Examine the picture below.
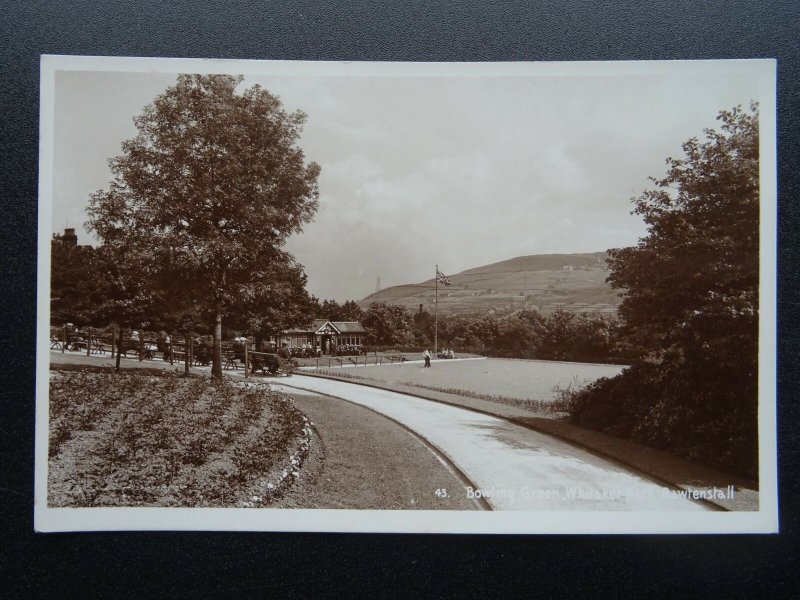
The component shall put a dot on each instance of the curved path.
(360, 459)
(510, 466)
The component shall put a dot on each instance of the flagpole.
(436, 313)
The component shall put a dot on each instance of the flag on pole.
(442, 278)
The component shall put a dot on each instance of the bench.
(144, 353)
(179, 357)
(271, 363)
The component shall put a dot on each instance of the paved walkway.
(660, 466)
(512, 467)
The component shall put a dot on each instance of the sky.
(459, 171)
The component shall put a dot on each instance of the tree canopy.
(690, 306)
(333, 311)
(694, 277)
(276, 301)
(209, 190)
(75, 283)
(388, 325)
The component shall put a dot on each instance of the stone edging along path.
(665, 468)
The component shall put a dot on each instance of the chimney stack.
(70, 237)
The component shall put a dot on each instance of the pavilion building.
(325, 335)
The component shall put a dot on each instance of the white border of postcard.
(765, 520)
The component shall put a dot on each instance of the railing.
(146, 347)
(359, 360)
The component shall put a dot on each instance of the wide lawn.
(524, 379)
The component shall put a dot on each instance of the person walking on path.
(427, 356)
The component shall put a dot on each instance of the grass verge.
(558, 404)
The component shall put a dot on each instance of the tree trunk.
(187, 351)
(119, 347)
(216, 367)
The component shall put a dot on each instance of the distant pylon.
(378, 284)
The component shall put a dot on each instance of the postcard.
(406, 297)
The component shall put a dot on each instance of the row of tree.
(83, 294)
(523, 334)
(86, 290)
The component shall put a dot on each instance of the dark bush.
(698, 412)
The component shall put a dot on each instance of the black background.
(204, 564)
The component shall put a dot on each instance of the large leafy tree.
(690, 306)
(388, 325)
(128, 296)
(102, 285)
(692, 282)
(276, 301)
(208, 191)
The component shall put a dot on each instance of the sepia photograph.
(406, 297)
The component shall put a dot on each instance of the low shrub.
(698, 412)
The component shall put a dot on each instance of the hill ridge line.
(544, 282)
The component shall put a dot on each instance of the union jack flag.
(442, 278)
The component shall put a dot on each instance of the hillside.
(574, 282)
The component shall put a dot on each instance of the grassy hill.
(574, 282)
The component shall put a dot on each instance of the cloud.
(416, 171)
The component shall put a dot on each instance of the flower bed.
(126, 439)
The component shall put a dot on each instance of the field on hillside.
(524, 379)
(575, 282)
